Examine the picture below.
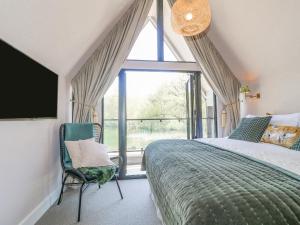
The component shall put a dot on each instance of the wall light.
(246, 90)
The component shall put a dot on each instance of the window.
(159, 94)
(140, 51)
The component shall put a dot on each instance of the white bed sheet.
(274, 154)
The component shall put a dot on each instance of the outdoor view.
(156, 102)
(156, 109)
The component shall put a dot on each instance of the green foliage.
(167, 102)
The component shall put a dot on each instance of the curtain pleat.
(101, 69)
(221, 79)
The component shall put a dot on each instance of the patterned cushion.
(296, 145)
(251, 129)
(100, 175)
(284, 136)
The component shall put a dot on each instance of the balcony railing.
(142, 131)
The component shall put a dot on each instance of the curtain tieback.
(231, 104)
(84, 105)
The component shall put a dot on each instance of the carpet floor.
(104, 206)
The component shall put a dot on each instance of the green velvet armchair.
(84, 176)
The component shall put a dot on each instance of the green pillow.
(251, 129)
(296, 146)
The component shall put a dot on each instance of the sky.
(143, 84)
(140, 83)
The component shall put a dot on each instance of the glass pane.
(143, 132)
(173, 42)
(169, 55)
(156, 109)
(145, 47)
(208, 109)
(111, 107)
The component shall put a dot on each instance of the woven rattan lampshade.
(190, 17)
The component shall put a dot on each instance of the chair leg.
(79, 206)
(116, 178)
(62, 188)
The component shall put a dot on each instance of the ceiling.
(256, 38)
(57, 33)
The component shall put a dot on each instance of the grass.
(139, 138)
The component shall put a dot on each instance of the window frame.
(153, 66)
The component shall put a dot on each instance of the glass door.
(144, 106)
(156, 109)
(201, 108)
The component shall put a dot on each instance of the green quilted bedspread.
(198, 184)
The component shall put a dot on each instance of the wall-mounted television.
(27, 89)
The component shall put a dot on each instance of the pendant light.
(190, 17)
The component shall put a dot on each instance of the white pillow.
(93, 154)
(286, 120)
(74, 152)
(251, 116)
(292, 119)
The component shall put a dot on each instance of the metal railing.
(156, 127)
(158, 119)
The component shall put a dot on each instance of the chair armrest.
(117, 160)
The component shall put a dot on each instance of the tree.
(168, 102)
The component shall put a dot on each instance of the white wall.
(29, 164)
(260, 41)
(57, 33)
(280, 94)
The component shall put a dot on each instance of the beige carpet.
(104, 206)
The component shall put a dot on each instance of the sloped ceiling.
(57, 33)
(258, 37)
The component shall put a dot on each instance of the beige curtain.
(101, 69)
(223, 82)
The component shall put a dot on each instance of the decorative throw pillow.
(296, 145)
(87, 153)
(93, 154)
(251, 129)
(285, 136)
(74, 152)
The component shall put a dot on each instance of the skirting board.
(40, 210)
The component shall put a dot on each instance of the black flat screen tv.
(27, 89)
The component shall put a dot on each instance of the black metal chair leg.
(79, 206)
(116, 178)
(62, 189)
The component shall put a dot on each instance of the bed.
(224, 182)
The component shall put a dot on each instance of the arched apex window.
(157, 41)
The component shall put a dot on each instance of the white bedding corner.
(274, 154)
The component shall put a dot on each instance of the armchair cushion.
(75, 132)
(73, 148)
(100, 175)
(93, 154)
(88, 153)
